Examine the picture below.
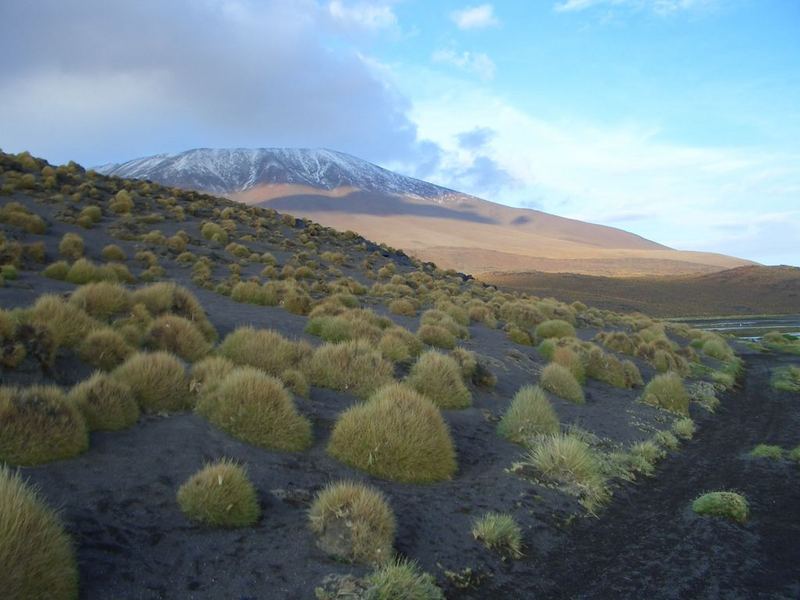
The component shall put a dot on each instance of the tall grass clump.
(101, 300)
(667, 391)
(559, 380)
(104, 349)
(398, 344)
(397, 434)
(729, 505)
(208, 373)
(684, 428)
(554, 328)
(106, 404)
(499, 532)
(36, 554)
(786, 379)
(530, 414)
(157, 380)
(402, 580)
(264, 349)
(767, 451)
(67, 323)
(177, 335)
(71, 246)
(353, 522)
(255, 407)
(438, 377)
(355, 366)
(39, 425)
(220, 495)
(165, 297)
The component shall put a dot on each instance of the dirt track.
(650, 545)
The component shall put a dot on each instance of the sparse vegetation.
(767, 451)
(667, 391)
(499, 532)
(438, 378)
(560, 380)
(402, 579)
(220, 495)
(729, 505)
(398, 434)
(36, 553)
(353, 522)
(530, 414)
(786, 379)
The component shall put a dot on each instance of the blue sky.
(676, 119)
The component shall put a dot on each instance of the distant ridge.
(453, 229)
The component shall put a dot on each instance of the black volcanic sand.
(118, 499)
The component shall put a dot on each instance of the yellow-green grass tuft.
(402, 580)
(684, 428)
(102, 299)
(767, 451)
(36, 554)
(106, 404)
(402, 306)
(398, 434)
(220, 495)
(255, 407)
(113, 253)
(667, 391)
(499, 532)
(296, 382)
(567, 357)
(157, 380)
(177, 335)
(398, 344)
(530, 414)
(438, 377)
(104, 349)
(354, 366)
(554, 328)
(353, 522)
(569, 462)
(166, 297)
(39, 425)
(71, 246)
(436, 335)
(67, 323)
(264, 349)
(666, 439)
(559, 380)
(786, 379)
(729, 505)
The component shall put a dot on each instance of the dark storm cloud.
(97, 80)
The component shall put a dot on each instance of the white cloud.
(477, 63)
(663, 7)
(365, 15)
(475, 17)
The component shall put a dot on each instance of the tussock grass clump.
(438, 377)
(786, 379)
(220, 495)
(39, 425)
(559, 380)
(296, 382)
(255, 407)
(17, 215)
(36, 553)
(530, 414)
(264, 349)
(666, 439)
(157, 380)
(402, 306)
(85, 271)
(177, 335)
(435, 335)
(398, 434)
(71, 246)
(398, 344)
(554, 328)
(569, 462)
(67, 323)
(113, 253)
(57, 270)
(165, 297)
(402, 579)
(667, 391)
(499, 532)
(767, 451)
(208, 373)
(106, 404)
(443, 319)
(101, 300)
(684, 428)
(569, 358)
(354, 366)
(729, 505)
(353, 522)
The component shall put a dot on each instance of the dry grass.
(255, 407)
(208, 373)
(353, 522)
(499, 532)
(113, 253)
(554, 328)
(398, 344)
(105, 403)
(71, 246)
(398, 434)
(161, 298)
(530, 414)
(157, 380)
(104, 349)
(265, 349)
(667, 391)
(220, 495)
(101, 300)
(177, 335)
(402, 306)
(355, 367)
(438, 377)
(436, 335)
(67, 323)
(36, 554)
(39, 425)
(559, 380)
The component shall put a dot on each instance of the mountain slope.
(453, 229)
